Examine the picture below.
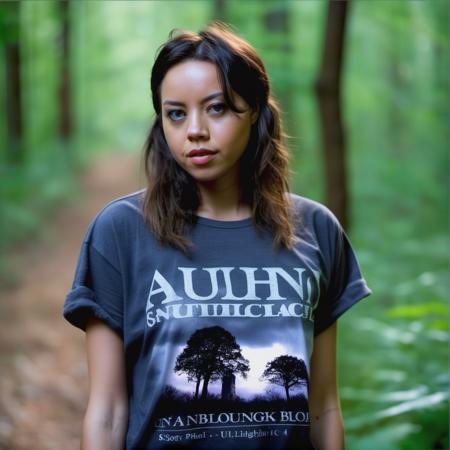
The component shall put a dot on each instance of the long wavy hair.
(172, 197)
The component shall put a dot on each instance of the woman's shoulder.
(122, 207)
(314, 221)
(117, 215)
(309, 210)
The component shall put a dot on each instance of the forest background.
(394, 93)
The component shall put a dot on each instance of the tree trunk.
(286, 387)
(66, 121)
(205, 386)
(276, 21)
(197, 387)
(219, 10)
(14, 114)
(328, 92)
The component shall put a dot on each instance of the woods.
(363, 88)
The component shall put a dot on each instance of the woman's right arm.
(106, 419)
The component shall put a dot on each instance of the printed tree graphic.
(286, 371)
(210, 353)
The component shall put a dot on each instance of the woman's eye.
(217, 107)
(174, 114)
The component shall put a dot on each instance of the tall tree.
(190, 362)
(280, 55)
(66, 119)
(328, 90)
(211, 353)
(10, 16)
(219, 12)
(286, 371)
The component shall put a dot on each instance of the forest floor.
(43, 368)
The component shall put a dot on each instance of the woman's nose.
(197, 127)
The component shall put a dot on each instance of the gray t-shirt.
(217, 342)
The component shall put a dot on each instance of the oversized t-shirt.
(218, 341)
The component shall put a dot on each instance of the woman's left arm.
(327, 429)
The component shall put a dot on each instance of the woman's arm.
(106, 419)
(327, 430)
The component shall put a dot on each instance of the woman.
(210, 298)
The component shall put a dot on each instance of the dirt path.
(43, 370)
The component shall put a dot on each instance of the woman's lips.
(202, 159)
(201, 156)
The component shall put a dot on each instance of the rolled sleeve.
(96, 290)
(346, 285)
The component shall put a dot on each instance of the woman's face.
(205, 137)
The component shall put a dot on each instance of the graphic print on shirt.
(221, 389)
(233, 292)
(226, 382)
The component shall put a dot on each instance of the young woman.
(210, 298)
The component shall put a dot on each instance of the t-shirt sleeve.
(97, 287)
(346, 284)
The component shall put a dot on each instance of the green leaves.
(432, 308)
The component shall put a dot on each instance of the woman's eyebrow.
(203, 100)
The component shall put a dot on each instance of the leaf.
(427, 401)
(376, 396)
(385, 438)
(418, 310)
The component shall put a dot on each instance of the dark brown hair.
(172, 198)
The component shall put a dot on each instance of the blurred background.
(363, 86)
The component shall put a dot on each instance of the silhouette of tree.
(286, 371)
(209, 354)
(190, 362)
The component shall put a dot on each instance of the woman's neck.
(222, 202)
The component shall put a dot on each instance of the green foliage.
(9, 29)
(397, 120)
(29, 194)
